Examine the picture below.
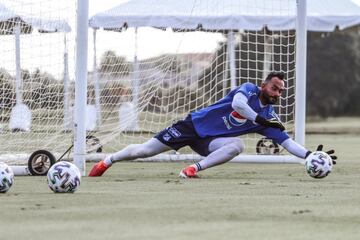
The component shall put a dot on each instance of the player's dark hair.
(279, 75)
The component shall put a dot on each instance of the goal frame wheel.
(263, 144)
(92, 141)
(40, 162)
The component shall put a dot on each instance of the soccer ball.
(63, 177)
(6, 177)
(318, 164)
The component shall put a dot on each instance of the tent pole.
(231, 55)
(96, 84)
(135, 80)
(300, 89)
(18, 85)
(268, 56)
(66, 85)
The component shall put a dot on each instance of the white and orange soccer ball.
(318, 164)
(6, 177)
(63, 177)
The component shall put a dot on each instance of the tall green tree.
(114, 65)
(333, 65)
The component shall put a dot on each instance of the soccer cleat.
(98, 169)
(188, 172)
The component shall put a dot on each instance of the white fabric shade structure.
(322, 15)
(43, 25)
(16, 24)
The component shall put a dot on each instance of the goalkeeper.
(212, 131)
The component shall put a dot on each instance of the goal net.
(141, 79)
(35, 87)
(151, 77)
(141, 95)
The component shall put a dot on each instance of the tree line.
(333, 75)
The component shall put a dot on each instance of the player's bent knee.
(236, 147)
(230, 150)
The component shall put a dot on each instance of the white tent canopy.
(322, 15)
(43, 25)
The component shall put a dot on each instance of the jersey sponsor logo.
(174, 132)
(236, 119)
(227, 124)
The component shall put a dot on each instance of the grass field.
(137, 200)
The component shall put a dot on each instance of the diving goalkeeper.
(212, 131)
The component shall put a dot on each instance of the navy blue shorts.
(181, 134)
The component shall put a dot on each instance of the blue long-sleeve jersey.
(221, 120)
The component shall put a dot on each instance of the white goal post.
(197, 79)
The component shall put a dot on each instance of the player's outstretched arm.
(274, 123)
(296, 149)
(330, 152)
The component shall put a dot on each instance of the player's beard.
(269, 99)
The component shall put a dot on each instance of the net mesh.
(139, 82)
(167, 87)
(34, 37)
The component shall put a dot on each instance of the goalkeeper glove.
(330, 152)
(274, 123)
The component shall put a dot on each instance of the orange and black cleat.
(188, 172)
(98, 169)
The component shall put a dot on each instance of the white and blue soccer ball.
(63, 177)
(318, 164)
(6, 177)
